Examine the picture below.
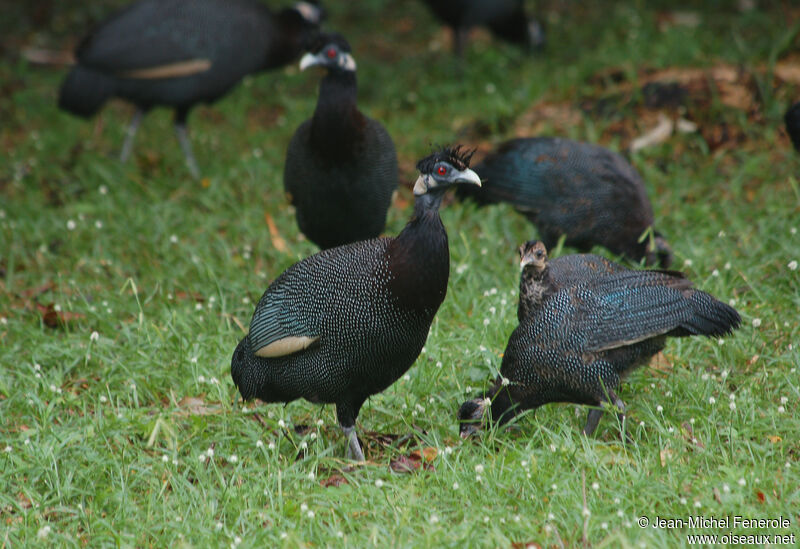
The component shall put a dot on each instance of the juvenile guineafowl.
(347, 322)
(792, 119)
(178, 53)
(539, 277)
(588, 193)
(580, 336)
(341, 167)
(506, 19)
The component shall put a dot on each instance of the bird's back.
(177, 52)
(602, 328)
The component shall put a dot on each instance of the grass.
(108, 437)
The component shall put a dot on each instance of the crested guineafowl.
(347, 322)
(341, 167)
(590, 194)
(585, 328)
(506, 19)
(178, 53)
(792, 119)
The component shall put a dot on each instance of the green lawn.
(121, 424)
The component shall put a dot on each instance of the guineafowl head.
(471, 416)
(329, 50)
(444, 168)
(533, 255)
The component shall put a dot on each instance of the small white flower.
(173, 238)
(311, 475)
(98, 224)
(732, 405)
(210, 452)
(490, 88)
(742, 482)
(715, 272)
(27, 441)
(303, 507)
(641, 424)
(478, 478)
(784, 400)
(712, 400)
(237, 540)
(492, 310)
(281, 424)
(303, 445)
(721, 234)
(517, 518)
(218, 526)
(486, 321)
(271, 445)
(683, 501)
(71, 225)
(339, 534)
(548, 529)
(604, 525)
(233, 459)
(201, 458)
(448, 450)
(310, 514)
(687, 262)
(704, 377)
(659, 408)
(201, 378)
(320, 423)
(586, 512)
(245, 300)
(313, 436)
(455, 486)
(788, 465)
(720, 341)
(551, 516)
(433, 519)
(505, 381)
(732, 396)
(103, 189)
(165, 458)
(732, 302)
(620, 514)
(8, 449)
(726, 488)
(793, 230)
(698, 504)
(781, 409)
(43, 532)
(439, 364)
(756, 322)
(378, 483)
(792, 265)
(479, 468)
(407, 377)
(94, 337)
(595, 486)
(284, 535)
(259, 444)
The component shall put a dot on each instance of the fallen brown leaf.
(195, 406)
(761, 497)
(333, 480)
(56, 319)
(277, 239)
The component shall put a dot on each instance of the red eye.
(331, 53)
(441, 170)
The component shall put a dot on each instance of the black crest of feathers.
(458, 156)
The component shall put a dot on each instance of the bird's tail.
(84, 91)
(711, 317)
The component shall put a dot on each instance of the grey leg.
(130, 133)
(592, 420)
(183, 139)
(354, 448)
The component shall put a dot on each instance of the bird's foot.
(353, 446)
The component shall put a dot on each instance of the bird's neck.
(420, 257)
(337, 126)
(534, 287)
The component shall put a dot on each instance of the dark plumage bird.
(346, 322)
(341, 167)
(506, 19)
(178, 53)
(792, 119)
(588, 193)
(585, 326)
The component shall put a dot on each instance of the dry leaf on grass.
(56, 319)
(195, 406)
(333, 480)
(275, 236)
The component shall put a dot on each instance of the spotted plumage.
(178, 53)
(595, 324)
(587, 193)
(341, 166)
(351, 320)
